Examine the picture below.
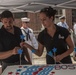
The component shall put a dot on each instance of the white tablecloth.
(62, 69)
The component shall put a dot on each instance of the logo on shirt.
(61, 37)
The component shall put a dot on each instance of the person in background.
(62, 22)
(74, 36)
(74, 29)
(29, 35)
(53, 37)
(1, 24)
(10, 42)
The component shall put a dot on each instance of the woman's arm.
(38, 51)
(68, 52)
(27, 55)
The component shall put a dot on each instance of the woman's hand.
(58, 58)
(22, 44)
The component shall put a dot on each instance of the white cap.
(25, 19)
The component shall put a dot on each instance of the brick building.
(35, 22)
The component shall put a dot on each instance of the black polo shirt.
(8, 42)
(57, 41)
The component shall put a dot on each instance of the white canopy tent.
(34, 6)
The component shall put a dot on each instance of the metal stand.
(20, 59)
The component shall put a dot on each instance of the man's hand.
(15, 50)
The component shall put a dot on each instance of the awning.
(34, 6)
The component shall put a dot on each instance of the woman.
(53, 37)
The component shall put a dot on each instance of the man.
(29, 36)
(62, 22)
(10, 41)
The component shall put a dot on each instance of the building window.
(20, 15)
(74, 15)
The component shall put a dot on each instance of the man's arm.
(4, 55)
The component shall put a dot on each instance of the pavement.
(39, 60)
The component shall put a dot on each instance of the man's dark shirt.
(57, 41)
(9, 41)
